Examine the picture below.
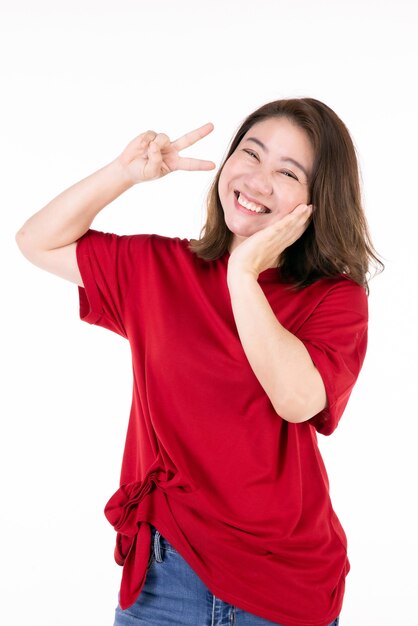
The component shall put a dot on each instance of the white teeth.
(251, 205)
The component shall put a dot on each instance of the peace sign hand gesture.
(152, 155)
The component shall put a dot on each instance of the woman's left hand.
(263, 249)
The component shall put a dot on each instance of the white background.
(79, 80)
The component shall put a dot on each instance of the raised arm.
(48, 238)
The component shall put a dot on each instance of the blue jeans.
(173, 595)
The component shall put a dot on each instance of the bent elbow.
(294, 417)
(299, 410)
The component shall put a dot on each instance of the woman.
(244, 344)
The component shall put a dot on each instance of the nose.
(259, 183)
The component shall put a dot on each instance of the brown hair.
(337, 240)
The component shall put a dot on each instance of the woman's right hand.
(152, 155)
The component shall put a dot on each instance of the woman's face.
(266, 177)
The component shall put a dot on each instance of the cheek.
(292, 194)
(230, 170)
(223, 182)
(288, 198)
(221, 188)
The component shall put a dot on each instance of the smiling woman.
(306, 134)
(245, 343)
(255, 182)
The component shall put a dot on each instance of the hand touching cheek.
(262, 250)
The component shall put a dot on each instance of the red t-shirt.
(240, 493)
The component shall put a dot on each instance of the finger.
(154, 154)
(301, 214)
(190, 138)
(148, 136)
(297, 214)
(195, 164)
(152, 167)
(302, 208)
(161, 139)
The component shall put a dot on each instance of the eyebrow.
(287, 159)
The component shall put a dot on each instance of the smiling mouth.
(250, 206)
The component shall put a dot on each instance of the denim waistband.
(159, 543)
(153, 529)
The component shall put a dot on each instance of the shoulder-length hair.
(337, 240)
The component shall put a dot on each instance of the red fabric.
(242, 494)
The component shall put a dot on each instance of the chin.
(243, 231)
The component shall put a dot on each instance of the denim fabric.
(173, 595)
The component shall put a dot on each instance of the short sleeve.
(107, 266)
(335, 335)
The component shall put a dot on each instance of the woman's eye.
(254, 155)
(290, 175)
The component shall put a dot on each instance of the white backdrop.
(79, 80)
